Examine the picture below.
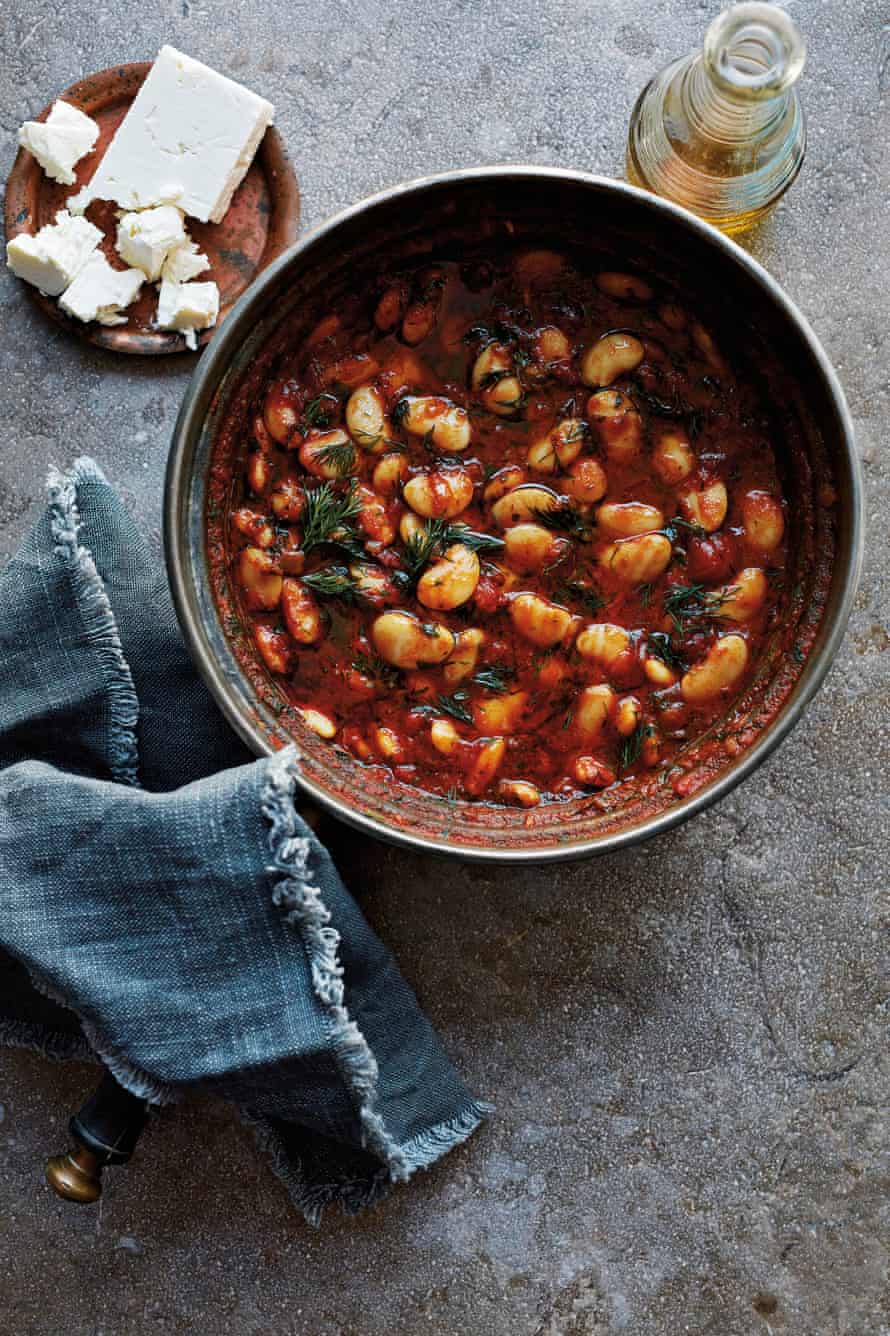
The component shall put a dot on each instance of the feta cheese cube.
(53, 258)
(188, 307)
(189, 137)
(184, 262)
(59, 142)
(146, 239)
(100, 292)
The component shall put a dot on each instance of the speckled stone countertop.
(687, 1041)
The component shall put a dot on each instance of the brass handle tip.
(76, 1176)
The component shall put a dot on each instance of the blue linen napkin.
(163, 896)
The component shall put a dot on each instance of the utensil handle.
(105, 1131)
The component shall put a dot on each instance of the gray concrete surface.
(687, 1042)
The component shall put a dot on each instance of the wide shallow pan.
(748, 312)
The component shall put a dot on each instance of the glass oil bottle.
(721, 131)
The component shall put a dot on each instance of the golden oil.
(722, 131)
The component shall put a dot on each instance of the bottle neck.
(719, 114)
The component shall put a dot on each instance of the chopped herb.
(335, 582)
(370, 440)
(454, 705)
(686, 604)
(476, 333)
(495, 678)
(578, 433)
(631, 746)
(318, 411)
(564, 520)
(797, 654)
(325, 513)
(340, 455)
(645, 594)
(695, 423)
(399, 413)
(429, 628)
(521, 358)
(438, 535)
(588, 596)
(493, 378)
(429, 440)
(660, 645)
(373, 666)
(671, 529)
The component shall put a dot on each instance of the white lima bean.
(622, 286)
(388, 473)
(551, 345)
(592, 712)
(528, 547)
(301, 615)
(494, 381)
(637, 560)
(763, 520)
(450, 581)
(439, 494)
(446, 425)
(260, 576)
(366, 418)
(444, 737)
(538, 620)
(404, 641)
(275, 648)
(328, 454)
(463, 658)
(319, 722)
(744, 595)
(604, 644)
(486, 765)
(500, 714)
(560, 447)
(720, 669)
(617, 423)
(519, 791)
(672, 458)
(587, 482)
(523, 505)
(628, 714)
(504, 481)
(611, 356)
(624, 519)
(705, 507)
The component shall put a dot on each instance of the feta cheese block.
(188, 138)
(53, 258)
(59, 142)
(146, 239)
(188, 307)
(100, 292)
(184, 262)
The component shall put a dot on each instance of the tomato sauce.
(513, 530)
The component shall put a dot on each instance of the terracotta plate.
(261, 222)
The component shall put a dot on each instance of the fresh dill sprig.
(438, 535)
(340, 455)
(645, 592)
(334, 582)
(671, 529)
(325, 513)
(563, 520)
(588, 596)
(686, 604)
(632, 745)
(318, 411)
(375, 667)
(495, 678)
(455, 706)
(660, 645)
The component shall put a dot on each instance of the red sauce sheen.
(513, 531)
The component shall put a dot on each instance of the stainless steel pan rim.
(182, 577)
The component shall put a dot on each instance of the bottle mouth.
(754, 51)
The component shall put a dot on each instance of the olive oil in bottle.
(721, 131)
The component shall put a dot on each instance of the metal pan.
(748, 311)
